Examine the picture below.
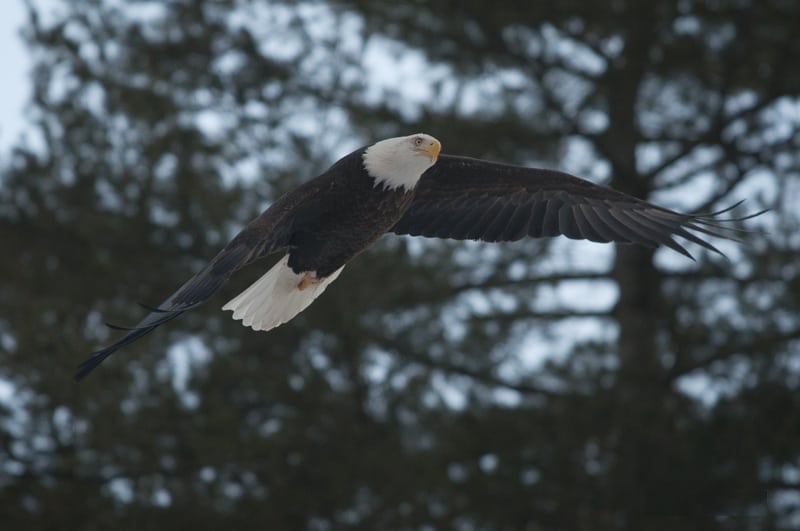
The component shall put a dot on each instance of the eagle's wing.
(267, 233)
(471, 199)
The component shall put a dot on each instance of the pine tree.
(437, 385)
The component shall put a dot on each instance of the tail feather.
(275, 298)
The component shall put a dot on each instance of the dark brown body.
(329, 220)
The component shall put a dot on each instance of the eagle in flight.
(403, 185)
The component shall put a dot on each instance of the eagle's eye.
(418, 141)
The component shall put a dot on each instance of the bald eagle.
(402, 185)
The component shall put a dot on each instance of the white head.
(401, 161)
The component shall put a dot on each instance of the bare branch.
(712, 136)
(485, 377)
(761, 343)
(544, 316)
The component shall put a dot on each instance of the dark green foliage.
(412, 395)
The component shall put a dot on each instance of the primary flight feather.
(403, 185)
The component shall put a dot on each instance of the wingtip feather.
(151, 308)
(112, 326)
(90, 364)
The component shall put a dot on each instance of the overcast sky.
(15, 65)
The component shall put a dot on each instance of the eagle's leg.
(308, 279)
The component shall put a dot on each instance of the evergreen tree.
(436, 385)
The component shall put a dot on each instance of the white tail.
(275, 298)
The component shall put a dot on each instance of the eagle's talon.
(306, 281)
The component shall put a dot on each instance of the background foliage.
(437, 385)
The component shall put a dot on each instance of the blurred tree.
(541, 385)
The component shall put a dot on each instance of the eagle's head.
(401, 161)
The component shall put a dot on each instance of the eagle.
(404, 186)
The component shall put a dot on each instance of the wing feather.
(499, 225)
(536, 220)
(550, 219)
(465, 198)
(567, 224)
(585, 227)
(598, 225)
(644, 235)
(262, 236)
(478, 229)
(518, 223)
(657, 232)
(626, 233)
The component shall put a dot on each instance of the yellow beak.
(432, 149)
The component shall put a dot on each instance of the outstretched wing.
(471, 199)
(265, 234)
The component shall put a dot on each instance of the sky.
(13, 95)
(15, 62)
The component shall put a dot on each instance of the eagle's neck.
(393, 166)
